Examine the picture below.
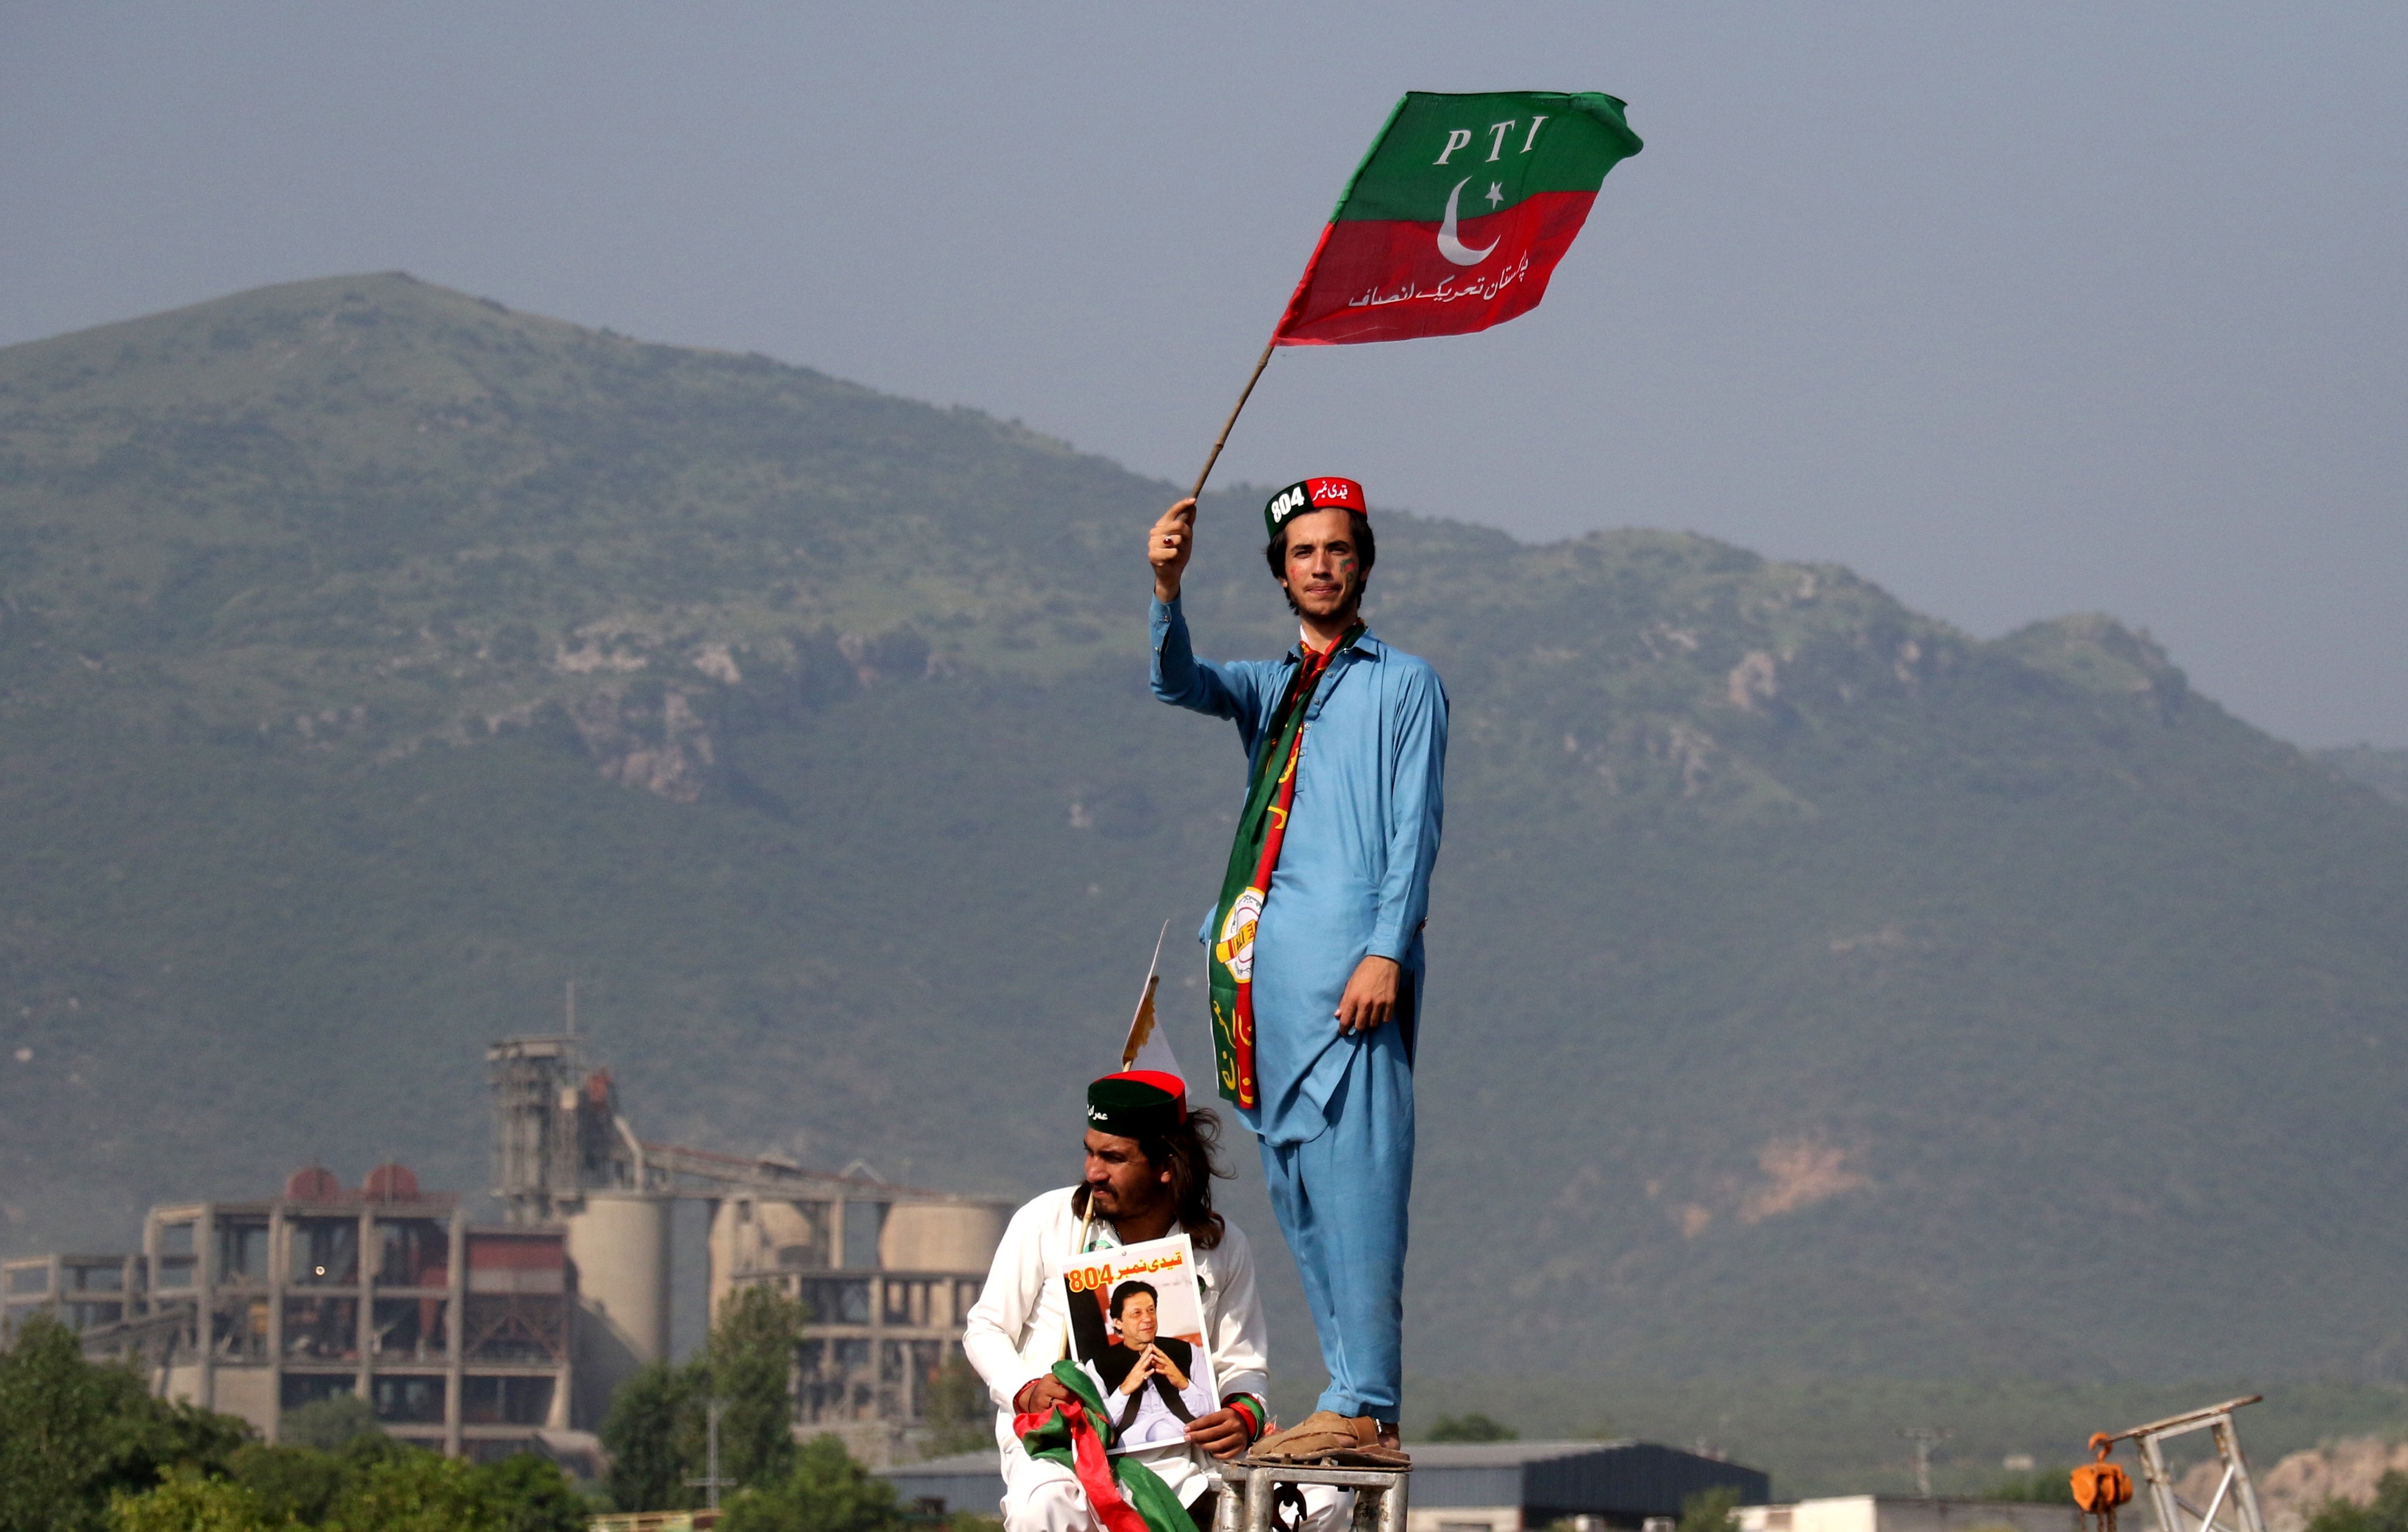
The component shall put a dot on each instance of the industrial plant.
(459, 1335)
(886, 1273)
(485, 1338)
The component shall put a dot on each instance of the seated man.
(1150, 1168)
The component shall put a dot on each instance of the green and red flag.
(1455, 219)
(1123, 1493)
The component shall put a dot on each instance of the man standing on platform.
(1315, 946)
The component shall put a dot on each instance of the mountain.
(1817, 992)
(2384, 770)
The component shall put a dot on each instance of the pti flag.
(1458, 217)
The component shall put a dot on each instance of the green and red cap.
(1313, 495)
(1136, 1104)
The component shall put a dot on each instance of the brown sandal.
(1326, 1437)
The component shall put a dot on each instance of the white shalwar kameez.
(1020, 1327)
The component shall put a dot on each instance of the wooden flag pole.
(1243, 394)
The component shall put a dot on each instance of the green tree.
(73, 1432)
(2388, 1512)
(961, 1415)
(186, 1501)
(642, 1432)
(374, 1476)
(298, 1483)
(416, 1492)
(748, 1366)
(1710, 1509)
(303, 1482)
(658, 1428)
(1471, 1428)
(826, 1491)
(532, 1494)
(329, 1424)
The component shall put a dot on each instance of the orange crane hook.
(2099, 1487)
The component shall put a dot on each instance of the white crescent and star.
(1448, 245)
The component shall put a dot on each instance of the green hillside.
(1817, 992)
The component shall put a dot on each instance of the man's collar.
(1364, 644)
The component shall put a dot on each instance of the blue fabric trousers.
(1341, 1200)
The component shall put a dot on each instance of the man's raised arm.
(1179, 676)
(1168, 547)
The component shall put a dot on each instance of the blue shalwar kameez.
(1335, 1119)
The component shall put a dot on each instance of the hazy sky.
(2018, 310)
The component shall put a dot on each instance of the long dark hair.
(1190, 1152)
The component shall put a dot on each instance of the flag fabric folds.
(1457, 218)
(1125, 1495)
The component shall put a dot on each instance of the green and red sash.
(1253, 856)
(1124, 1494)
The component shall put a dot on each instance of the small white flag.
(1146, 1047)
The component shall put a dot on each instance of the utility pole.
(1924, 1437)
(711, 1482)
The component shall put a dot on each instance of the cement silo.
(884, 1273)
(619, 1242)
(941, 1236)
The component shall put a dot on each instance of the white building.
(1909, 1513)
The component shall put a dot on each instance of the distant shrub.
(330, 1423)
(186, 1502)
(2387, 1513)
(418, 1492)
(827, 1492)
(960, 1416)
(2043, 1487)
(1711, 1511)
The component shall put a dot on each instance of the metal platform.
(1381, 1496)
(2236, 1495)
